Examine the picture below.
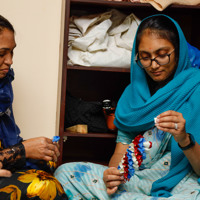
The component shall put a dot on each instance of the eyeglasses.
(145, 62)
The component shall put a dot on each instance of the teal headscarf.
(137, 109)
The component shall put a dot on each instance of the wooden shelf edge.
(105, 69)
(135, 4)
(104, 2)
(90, 135)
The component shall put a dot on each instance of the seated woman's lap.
(83, 180)
(31, 184)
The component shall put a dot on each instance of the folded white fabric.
(104, 40)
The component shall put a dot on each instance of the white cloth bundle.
(102, 40)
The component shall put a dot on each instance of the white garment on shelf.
(102, 40)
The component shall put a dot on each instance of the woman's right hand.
(4, 172)
(112, 179)
(41, 148)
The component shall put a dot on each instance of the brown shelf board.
(185, 6)
(90, 135)
(102, 2)
(106, 69)
(69, 160)
(128, 4)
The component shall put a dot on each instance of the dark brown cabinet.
(99, 83)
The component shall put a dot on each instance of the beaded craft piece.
(134, 157)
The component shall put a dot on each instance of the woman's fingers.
(54, 148)
(168, 113)
(170, 126)
(4, 172)
(172, 122)
(51, 156)
(111, 173)
(112, 190)
(111, 184)
(41, 148)
(112, 179)
(52, 153)
(115, 179)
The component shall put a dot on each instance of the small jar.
(109, 113)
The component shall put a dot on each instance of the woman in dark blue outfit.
(26, 167)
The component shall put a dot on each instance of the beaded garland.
(134, 157)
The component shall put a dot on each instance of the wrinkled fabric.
(9, 131)
(137, 109)
(102, 40)
(31, 184)
(194, 55)
(106, 40)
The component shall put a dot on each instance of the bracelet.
(192, 143)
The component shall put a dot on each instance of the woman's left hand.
(174, 123)
(167, 121)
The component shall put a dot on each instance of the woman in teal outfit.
(162, 103)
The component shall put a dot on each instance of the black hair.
(4, 23)
(161, 26)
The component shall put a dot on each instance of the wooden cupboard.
(99, 83)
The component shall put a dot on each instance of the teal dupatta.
(137, 109)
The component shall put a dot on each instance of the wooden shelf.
(113, 3)
(128, 4)
(95, 148)
(99, 83)
(90, 135)
(105, 69)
